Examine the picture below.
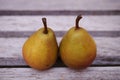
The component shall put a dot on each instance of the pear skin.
(40, 49)
(77, 48)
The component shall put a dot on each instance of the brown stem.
(77, 21)
(45, 25)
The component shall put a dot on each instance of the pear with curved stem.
(40, 49)
(77, 48)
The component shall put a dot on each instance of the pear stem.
(45, 25)
(77, 21)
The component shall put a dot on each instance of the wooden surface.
(13, 55)
(96, 73)
(59, 5)
(59, 23)
(20, 18)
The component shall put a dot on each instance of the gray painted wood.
(107, 51)
(59, 23)
(91, 73)
(60, 5)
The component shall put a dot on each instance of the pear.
(77, 48)
(40, 49)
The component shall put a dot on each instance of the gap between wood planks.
(55, 66)
(59, 12)
(10, 34)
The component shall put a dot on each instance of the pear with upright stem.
(77, 48)
(40, 49)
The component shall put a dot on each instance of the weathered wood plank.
(99, 61)
(91, 73)
(107, 51)
(59, 5)
(19, 62)
(59, 23)
(106, 46)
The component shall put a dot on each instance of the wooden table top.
(20, 18)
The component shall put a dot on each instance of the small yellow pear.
(77, 48)
(40, 49)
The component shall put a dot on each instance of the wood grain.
(59, 5)
(59, 23)
(107, 51)
(96, 73)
